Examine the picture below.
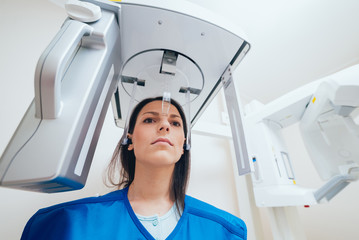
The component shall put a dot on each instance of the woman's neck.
(150, 192)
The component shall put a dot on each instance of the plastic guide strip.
(166, 103)
(166, 99)
(188, 119)
(125, 131)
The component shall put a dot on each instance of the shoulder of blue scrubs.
(62, 220)
(231, 223)
(116, 195)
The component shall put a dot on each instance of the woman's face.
(157, 138)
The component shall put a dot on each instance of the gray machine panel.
(205, 50)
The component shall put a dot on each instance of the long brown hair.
(123, 161)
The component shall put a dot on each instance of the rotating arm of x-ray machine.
(106, 52)
(325, 110)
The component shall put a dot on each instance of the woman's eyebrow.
(153, 113)
(175, 116)
(157, 114)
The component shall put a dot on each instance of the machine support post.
(235, 118)
(285, 223)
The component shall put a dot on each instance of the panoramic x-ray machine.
(120, 53)
(327, 111)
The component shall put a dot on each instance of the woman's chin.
(161, 158)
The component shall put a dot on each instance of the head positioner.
(167, 72)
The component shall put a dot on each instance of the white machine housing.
(327, 111)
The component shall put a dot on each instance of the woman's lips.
(164, 140)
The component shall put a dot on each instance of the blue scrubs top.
(111, 217)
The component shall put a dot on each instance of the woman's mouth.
(163, 140)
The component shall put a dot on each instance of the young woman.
(152, 203)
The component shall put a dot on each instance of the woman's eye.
(148, 120)
(176, 124)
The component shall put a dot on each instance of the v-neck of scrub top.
(142, 229)
(160, 227)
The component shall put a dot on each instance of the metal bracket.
(227, 77)
(191, 90)
(243, 162)
(128, 79)
(168, 64)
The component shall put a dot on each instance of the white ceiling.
(292, 42)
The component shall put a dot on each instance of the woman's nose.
(164, 126)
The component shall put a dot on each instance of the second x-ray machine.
(327, 111)
(120, 52)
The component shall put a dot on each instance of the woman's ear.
(130, 147)
(130, 144)
(184, 145)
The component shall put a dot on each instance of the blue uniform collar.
(139, 225)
